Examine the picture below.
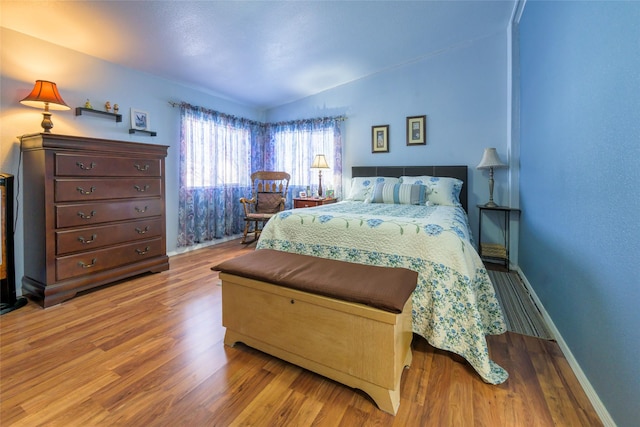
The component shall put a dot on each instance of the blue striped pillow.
(400, 194)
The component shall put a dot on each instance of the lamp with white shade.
(45, 95)
(319, 162)
(491, 160)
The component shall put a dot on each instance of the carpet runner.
(520, 311)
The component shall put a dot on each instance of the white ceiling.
(259, 53)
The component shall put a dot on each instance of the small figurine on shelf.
(107, 107)
(116, 107)
(88, 104)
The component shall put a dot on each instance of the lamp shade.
(319, 162)
(490, 159)
(45, 93)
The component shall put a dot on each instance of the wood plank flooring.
(149, 352)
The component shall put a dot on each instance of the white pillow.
(362, 187)
(442, 190)
(422, 180)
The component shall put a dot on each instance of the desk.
(495, 251)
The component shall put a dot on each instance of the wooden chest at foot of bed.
(355, 344)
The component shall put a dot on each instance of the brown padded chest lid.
(385, 288)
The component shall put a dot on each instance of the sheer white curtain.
(215, 163)
(295, 144)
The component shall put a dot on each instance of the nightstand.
(309, 202)
(495, 251)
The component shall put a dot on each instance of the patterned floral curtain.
(218, 153)
(215, 159)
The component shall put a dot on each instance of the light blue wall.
(580, 170)
(463, 92)
(25, 59)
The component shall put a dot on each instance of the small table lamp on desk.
(495, 251)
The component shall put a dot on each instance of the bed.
(400, 217)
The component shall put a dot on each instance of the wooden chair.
(268, 196)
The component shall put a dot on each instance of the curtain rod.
(339, 118)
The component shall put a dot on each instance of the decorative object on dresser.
(45, 95)
(490, 160)
(94, 213)
(319, 162)
(380, 139)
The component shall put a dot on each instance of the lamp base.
(490, 204)
(46, 124)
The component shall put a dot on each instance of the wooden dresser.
(94, 213)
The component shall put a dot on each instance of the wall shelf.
(150, 132)
(117, 117)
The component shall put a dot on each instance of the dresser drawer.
(104, 259)
(72, 190)
(73, 215)
(97, 237)
(95, 165)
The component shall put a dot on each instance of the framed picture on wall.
(417, 130)
(380, 139)
(139, 119)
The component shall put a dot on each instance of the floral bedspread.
(454, 304)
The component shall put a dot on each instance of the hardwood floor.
(149, 352)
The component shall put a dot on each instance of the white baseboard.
(599, 407)
(184, 250)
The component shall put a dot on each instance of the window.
(295, 144)
(219, 152)
(215, 153)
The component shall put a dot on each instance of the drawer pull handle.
(85, 216)
(142, 252)
(141, 189)
(140, 231)
(143, 210)
(86, 168)
(83, 265)
(142, 168)
(86, 242)
(83, 191)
